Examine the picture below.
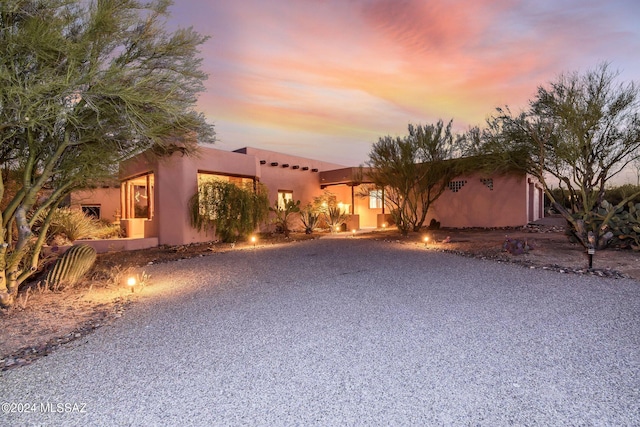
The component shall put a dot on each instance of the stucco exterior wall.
(289, 174)
(176, 180)
(108, 199)
(295, 174)
(477, 205)
(506, 200)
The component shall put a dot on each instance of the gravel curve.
(349, 331)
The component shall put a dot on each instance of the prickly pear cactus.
(626, 226)
(71, 266)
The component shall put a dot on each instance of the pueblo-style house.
(151, 203)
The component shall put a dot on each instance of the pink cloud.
(361, 68)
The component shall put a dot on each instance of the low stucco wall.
(117, 245)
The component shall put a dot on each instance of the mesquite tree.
(580, 131)
(414, 171)
(83, 85)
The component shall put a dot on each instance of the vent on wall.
(314, 170)
(455, 186)
(488, 182)
(263, 162)
(305, 168)
(295, 167)
(285, 165)
(274, 163)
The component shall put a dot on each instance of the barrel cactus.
(71, 266)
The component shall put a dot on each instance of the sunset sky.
(326, 78)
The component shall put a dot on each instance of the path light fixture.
(132, 282)
(384, 225)
(353, 232)
(426, 241)
(253, 240)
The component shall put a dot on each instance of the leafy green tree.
(580, 131)
(84, 85)
(414, 171)
(228, 210)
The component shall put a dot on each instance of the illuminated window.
(237, 180)
(283, 197)
(375, 199)
(455, 186)
(138, 197)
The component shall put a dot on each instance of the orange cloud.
(364, 68)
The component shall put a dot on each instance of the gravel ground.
(348, 332)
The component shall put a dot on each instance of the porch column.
(353, 205)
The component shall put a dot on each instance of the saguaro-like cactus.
(71, 266)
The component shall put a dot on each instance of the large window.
(240, 181)
(138, 197)
(283, 197)
(375, 199)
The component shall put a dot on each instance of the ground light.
(253, 240)
(426, 240)
(353, 232)
(131, 282)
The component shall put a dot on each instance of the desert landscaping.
(55, 318)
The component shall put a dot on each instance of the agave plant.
(335, 217)
(309, 218)
(283, 215)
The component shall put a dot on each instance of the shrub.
(228, 210)
(73, 224)
(283, 215)
(310, 218)
(335, 217)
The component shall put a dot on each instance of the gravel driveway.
(348, 331)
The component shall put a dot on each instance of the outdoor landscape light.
(131, 282)
(384, 225)
(253, 240)
(425, 240)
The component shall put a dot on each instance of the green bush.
(617, 194)
(73, 224)
(228, 210)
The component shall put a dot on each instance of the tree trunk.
(7, 297)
